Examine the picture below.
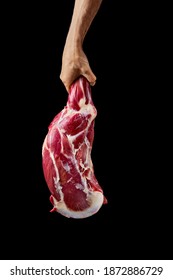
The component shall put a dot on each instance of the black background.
(129, 150)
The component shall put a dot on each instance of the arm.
(74, 60)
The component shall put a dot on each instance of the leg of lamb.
(66, 156)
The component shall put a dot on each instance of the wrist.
(73, 45)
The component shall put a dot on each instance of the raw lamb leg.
(66, 156)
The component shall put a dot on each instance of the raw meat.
(66, 156)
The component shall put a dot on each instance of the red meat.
(66, 156)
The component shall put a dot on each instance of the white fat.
(65, 113)
(82, 102)
(72, 138)
(54, 163)
(58, 189)
(82, 165)
(86, 109)
(44, 146)
(96, 201)
(66, 167)
(57, 178)
(79, 186)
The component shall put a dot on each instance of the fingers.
(90, 77)
(88, 74)
(71, 71)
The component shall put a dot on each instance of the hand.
(75, 64)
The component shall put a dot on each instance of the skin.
(74, 60)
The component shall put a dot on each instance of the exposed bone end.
(96, 200)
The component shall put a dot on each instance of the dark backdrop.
(128, 152)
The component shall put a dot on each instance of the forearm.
(74, 60)
(83, 15)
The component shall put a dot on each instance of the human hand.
(75, 64)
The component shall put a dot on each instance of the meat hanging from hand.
(66, 156)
